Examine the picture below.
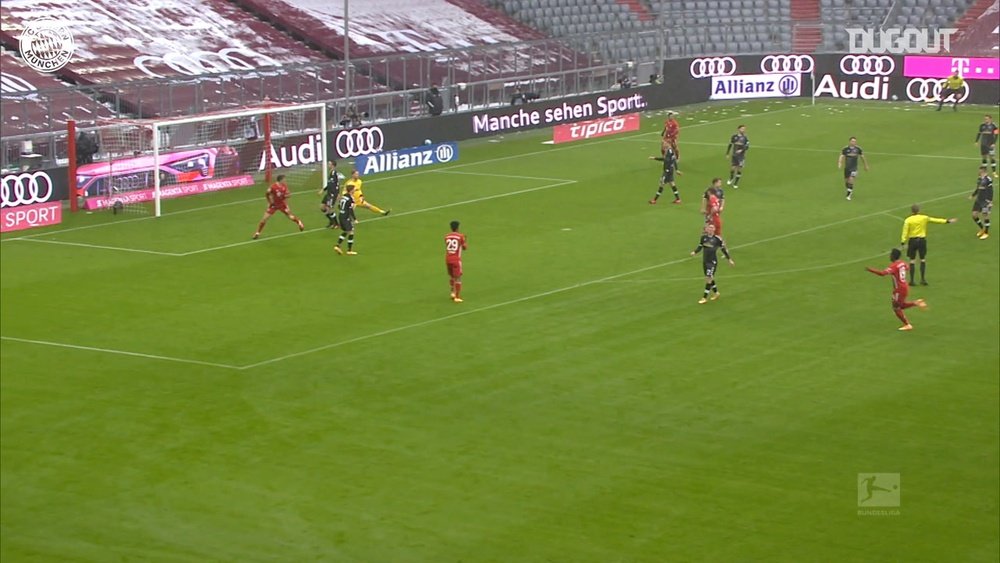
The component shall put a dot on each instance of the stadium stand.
(23, 109)
(840, 14)
(978, 30)
(209, 52)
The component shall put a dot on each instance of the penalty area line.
(117, 352)
(550, 292)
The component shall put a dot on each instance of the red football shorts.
(454, 269)
(271, 209)
(899, 296)
(717, 221)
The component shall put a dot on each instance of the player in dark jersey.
(345, 218)
(739, 144)
(329, 192)
(848, 160)
(983, 204)
(714, 194)
(670, 168)
(987, 139)
(709, 245)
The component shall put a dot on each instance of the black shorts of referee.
(916, 246)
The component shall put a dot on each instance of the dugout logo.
(359, 142)
(867, 65)
(25, 189)
(707, 67)
(784, 64)
(929, 90)
(46, 45)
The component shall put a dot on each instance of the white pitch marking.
(117, 352)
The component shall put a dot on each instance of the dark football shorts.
(916, 246)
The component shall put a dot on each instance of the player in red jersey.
(454, 244)
(277, 200)
(671, 130)
(900, 289)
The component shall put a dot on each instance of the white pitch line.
(394, 215)
(827, 151)
(560, 290)
(117, 352)
(504, 176)
(758, 274)
(98, 246)
(568, 146)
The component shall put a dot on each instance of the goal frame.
(266, 112)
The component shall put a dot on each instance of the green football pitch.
(173, 391)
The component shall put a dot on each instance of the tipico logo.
(46, 45)
(899, 40)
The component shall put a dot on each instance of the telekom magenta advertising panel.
(970, 68)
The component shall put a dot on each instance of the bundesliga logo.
(46, 46)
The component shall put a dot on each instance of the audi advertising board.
(404, 159)
(851, 77)
(31, 199)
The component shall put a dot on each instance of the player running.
(739, 144)
(670, 167)
(711, 243)
(848, 160)
(915, 238)
(454, 245)
(951, 86)
(330, 192)
(671, 130)
(983, 204)
(987, 139)
(345, 218)
(359, 196)
(900, 289)
(277, 200)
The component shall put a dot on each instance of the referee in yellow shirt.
(915, 239)
(952, 86)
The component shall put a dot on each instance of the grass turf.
(203, 397)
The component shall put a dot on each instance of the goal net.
(138, 164)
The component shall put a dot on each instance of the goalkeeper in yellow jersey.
(951, 86)
(359, 196)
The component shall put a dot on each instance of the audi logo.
(444, 153)
(194, 63)
(929, 90)
(867, 65)
(25, 189)
(777, 64)
(357, 142)
(713, 66)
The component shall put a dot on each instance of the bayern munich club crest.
(707, 67)
(867, 65)
(46, 45)
(784, 64)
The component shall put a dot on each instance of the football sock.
(659, 192)
(736, 180)
(677, 194)
(260, 226)
(350, 241)
(458, 288)
(986, 225)
(715, 288)
(976, 219)
(993, 164)
(708, 287)
(731, 174)
(913, 273)
(340, 239)
(850, 189)
(901, 316)
(923, 270)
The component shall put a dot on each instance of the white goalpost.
(141, 163)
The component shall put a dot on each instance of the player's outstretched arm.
(878, 272)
